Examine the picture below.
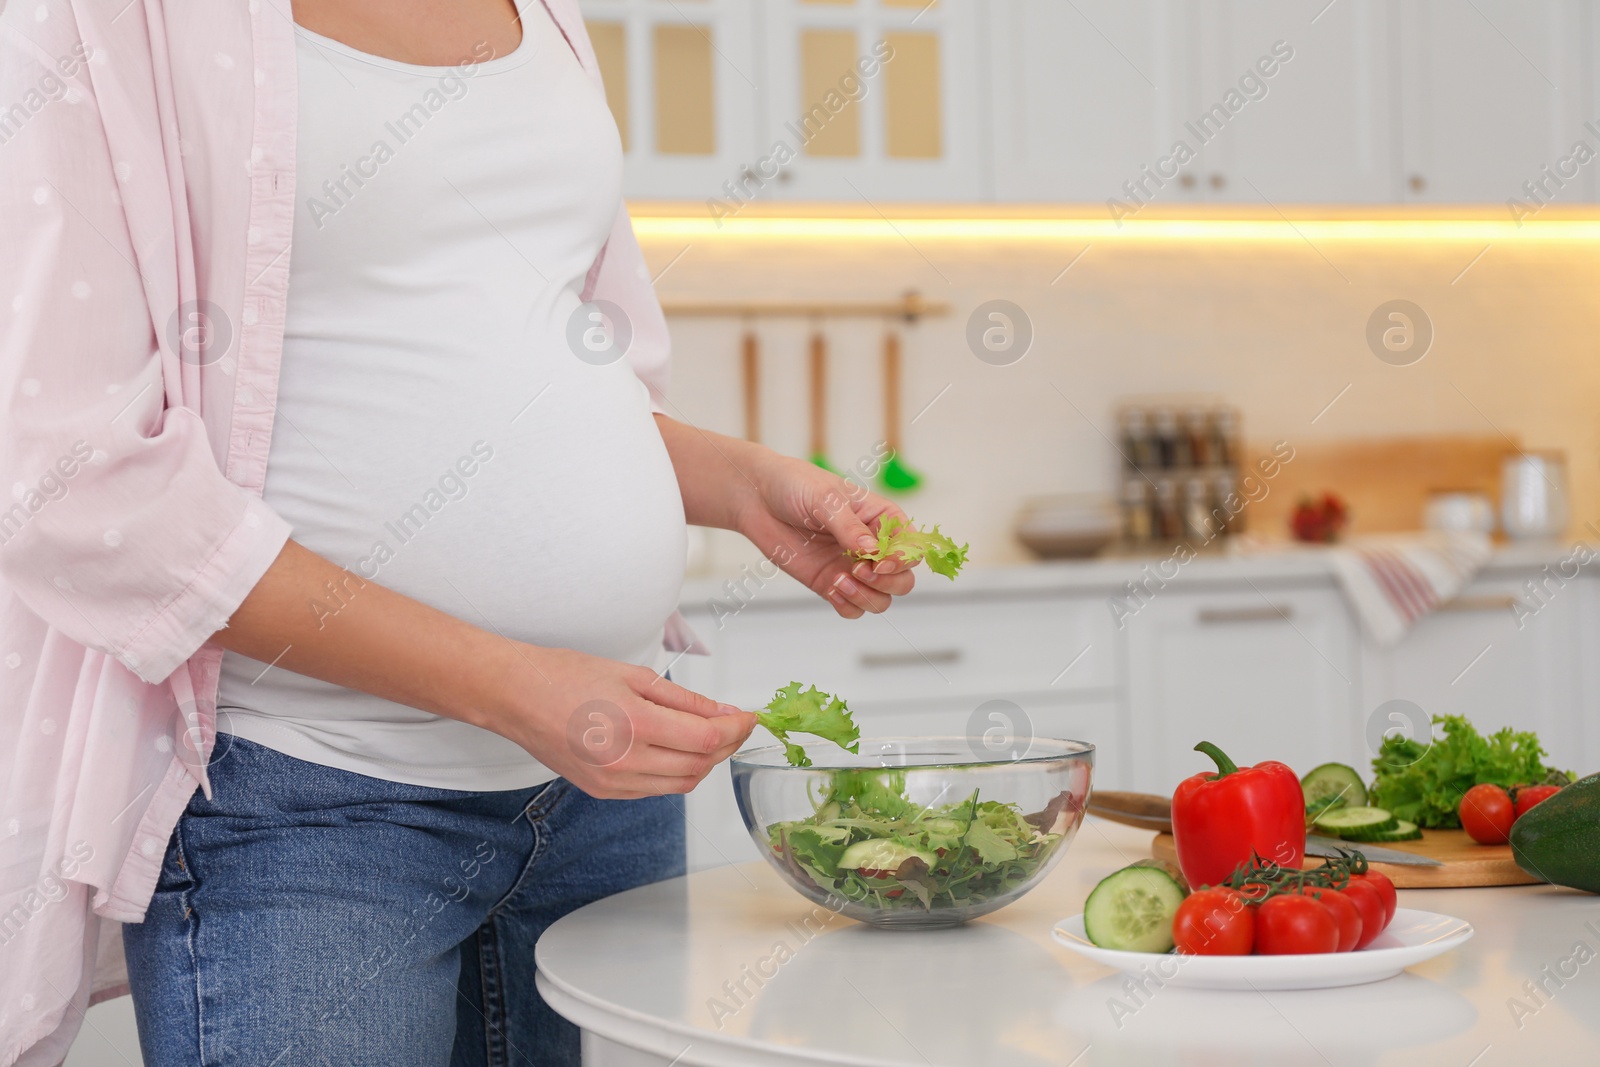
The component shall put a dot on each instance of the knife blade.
(1317, 845)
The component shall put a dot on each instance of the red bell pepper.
(1220, 818)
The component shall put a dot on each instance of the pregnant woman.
(345, 522)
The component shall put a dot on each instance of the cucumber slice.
(1403, 831)
(1132, 910)
(1322, 804)
(882, 854)
(1356, 820)
(1333, 785)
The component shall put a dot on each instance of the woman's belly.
(504, 481)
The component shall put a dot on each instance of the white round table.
(731, 968)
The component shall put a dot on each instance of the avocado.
(1558, 840)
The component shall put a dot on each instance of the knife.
(1150, 812)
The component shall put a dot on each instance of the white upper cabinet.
(681, 79)
(1114, 103)
(1493, 92)
(1087, 99)
(1293, 102)
(868, 100)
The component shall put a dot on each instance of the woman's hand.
(614, 730)
(809, 521)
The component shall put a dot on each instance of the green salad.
(900, 537)
(868, 843)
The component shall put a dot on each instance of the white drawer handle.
(874, 660)
(1265, 613)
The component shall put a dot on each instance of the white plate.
(1412, 937)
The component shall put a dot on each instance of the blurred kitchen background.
(1357, 241)
(1376, 163)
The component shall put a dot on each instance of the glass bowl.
(914, 831)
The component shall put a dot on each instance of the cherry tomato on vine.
(1367, 900)
(1529, 795)
(1214, 922)
(1380, 881)
(1345, 914)
(1293, 924)
(1486, 814)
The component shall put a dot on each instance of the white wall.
(1276, 328)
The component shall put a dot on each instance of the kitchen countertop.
(1101, 574)
(647, 970)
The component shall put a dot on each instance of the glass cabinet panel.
(913, 127)
(825, 57)
(685, 96)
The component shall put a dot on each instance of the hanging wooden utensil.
(895, 476)
(750, 359)
(819, 400)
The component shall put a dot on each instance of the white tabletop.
(658, 969)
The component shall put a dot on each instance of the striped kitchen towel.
(1393, 580)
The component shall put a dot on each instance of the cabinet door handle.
(1265, 613)
(874, 660)
(1506, 602)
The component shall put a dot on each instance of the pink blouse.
(147, 184)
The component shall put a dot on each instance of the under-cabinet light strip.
(688, 227)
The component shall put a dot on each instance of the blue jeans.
(307, 915)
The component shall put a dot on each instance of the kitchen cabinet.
(1264, 672)
(682, 82)
(1294, 101)
(1087, 98)
(1474, 658)
(1225, 100)
(876, 100)
(729, 101)
(1491, 93)
(1367, 101)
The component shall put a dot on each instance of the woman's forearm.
(379, 641)
(718, 475)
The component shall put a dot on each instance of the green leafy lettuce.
(981, 849)
(897, 537)
(810, 712)
(1424, 783)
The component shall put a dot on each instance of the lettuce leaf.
(897, 537)
(1424, 783)
(990, 845)
(879, 792)
(810, 712)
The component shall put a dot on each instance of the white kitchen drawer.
(930, 649)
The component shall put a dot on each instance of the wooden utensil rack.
(908, 308)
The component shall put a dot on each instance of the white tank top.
(435, 431)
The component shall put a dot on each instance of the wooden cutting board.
(1386, 481)
(1466, 863)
